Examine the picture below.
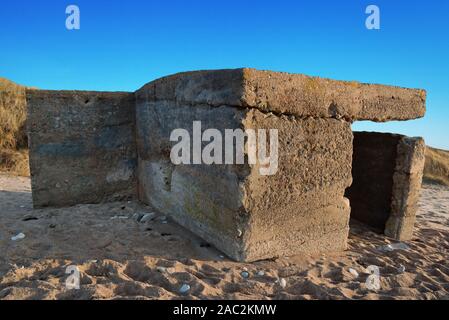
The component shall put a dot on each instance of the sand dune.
(13, 137)
(437, 166)
(120, 258)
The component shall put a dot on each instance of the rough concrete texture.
(82, 146)
(90, 147)
(406, 188)
(294, 94)
(249, 216)
(387, 174)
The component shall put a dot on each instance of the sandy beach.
(119, 257)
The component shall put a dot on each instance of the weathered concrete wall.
(293, 94)
(82, 146)
(407, 180)
(249, 216)
(387, 174)
(300, 209)
(93, 146)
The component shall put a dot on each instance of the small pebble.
(119, 217)
(261, 273)
(394, 246)
(147, 217)
(184, 289)
(20, 236)
(401, 268)
(354, 272)
(161, 269)
(282, 282)
(245, 274)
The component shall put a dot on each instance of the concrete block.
(407, 181)
(294, 94)
(245, 214)
(387, 174)
(82, 147)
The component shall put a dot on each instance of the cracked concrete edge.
(407, 181)
(290, 94)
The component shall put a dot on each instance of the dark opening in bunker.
(374, 160)
(387, 173)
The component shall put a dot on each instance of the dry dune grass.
(13, 137)
(437, 166)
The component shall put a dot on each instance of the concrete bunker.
(387, 173)
(91, 147)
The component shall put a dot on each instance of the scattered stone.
(282, 282)
(20, 236)
(394, 246)
(184, 289)
(354, 272)
(261, 273)
(119, 217)
(161, 269)
(245, 274)
(147, 217)
(401, 268)
(52, 226)
(400, 246)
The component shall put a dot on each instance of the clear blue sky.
(124, 44)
